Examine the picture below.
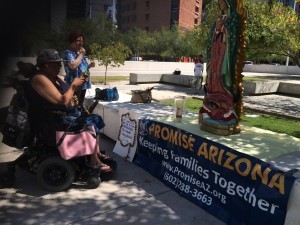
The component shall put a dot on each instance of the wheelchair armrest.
(93, 106)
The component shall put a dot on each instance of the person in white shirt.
(198, 70)
(198, 73)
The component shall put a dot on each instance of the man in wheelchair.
(53, 106)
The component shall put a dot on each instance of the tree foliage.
(113, 55)
(272, 29)
(203, 30)
(99, 30)
(139, 41)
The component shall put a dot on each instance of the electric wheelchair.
(41, 156)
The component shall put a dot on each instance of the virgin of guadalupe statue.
(222, 105)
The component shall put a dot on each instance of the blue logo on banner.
(236, 188)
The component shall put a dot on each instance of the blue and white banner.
(236, 188)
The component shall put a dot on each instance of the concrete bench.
(183, 80)
(250, 87)
(136, 78)
(260, 87)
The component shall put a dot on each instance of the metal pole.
(91, 1)
(114, 12)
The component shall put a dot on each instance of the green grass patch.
(273, 123)
(101, 79)
(246, 78)
(263, 121)
(191, 104)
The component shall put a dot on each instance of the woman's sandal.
(105, 158)
(105, 168)
(99, 164)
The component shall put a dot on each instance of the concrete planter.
(259, 87)
(269, 87)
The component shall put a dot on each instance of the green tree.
(92, 30)
(139, 41)
(167, 42)
(202, 31)
(272, 29)
(190, 46)
(113, 55)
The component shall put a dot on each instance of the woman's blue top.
(71, 56)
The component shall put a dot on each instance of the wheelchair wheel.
(55, 174)
(7, 179)
(93, 182)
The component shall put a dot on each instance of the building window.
(76, 9)
(147, 16)
(133, 6)
(125, 19)
(147, 4)
(196, 21)
(147, 29)
(196, 9)
(174, 12)
(174, 5)
(133, 18)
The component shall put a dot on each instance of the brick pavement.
(274, 104)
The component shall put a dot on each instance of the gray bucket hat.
(48, 55)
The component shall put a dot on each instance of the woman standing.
(77, 64)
